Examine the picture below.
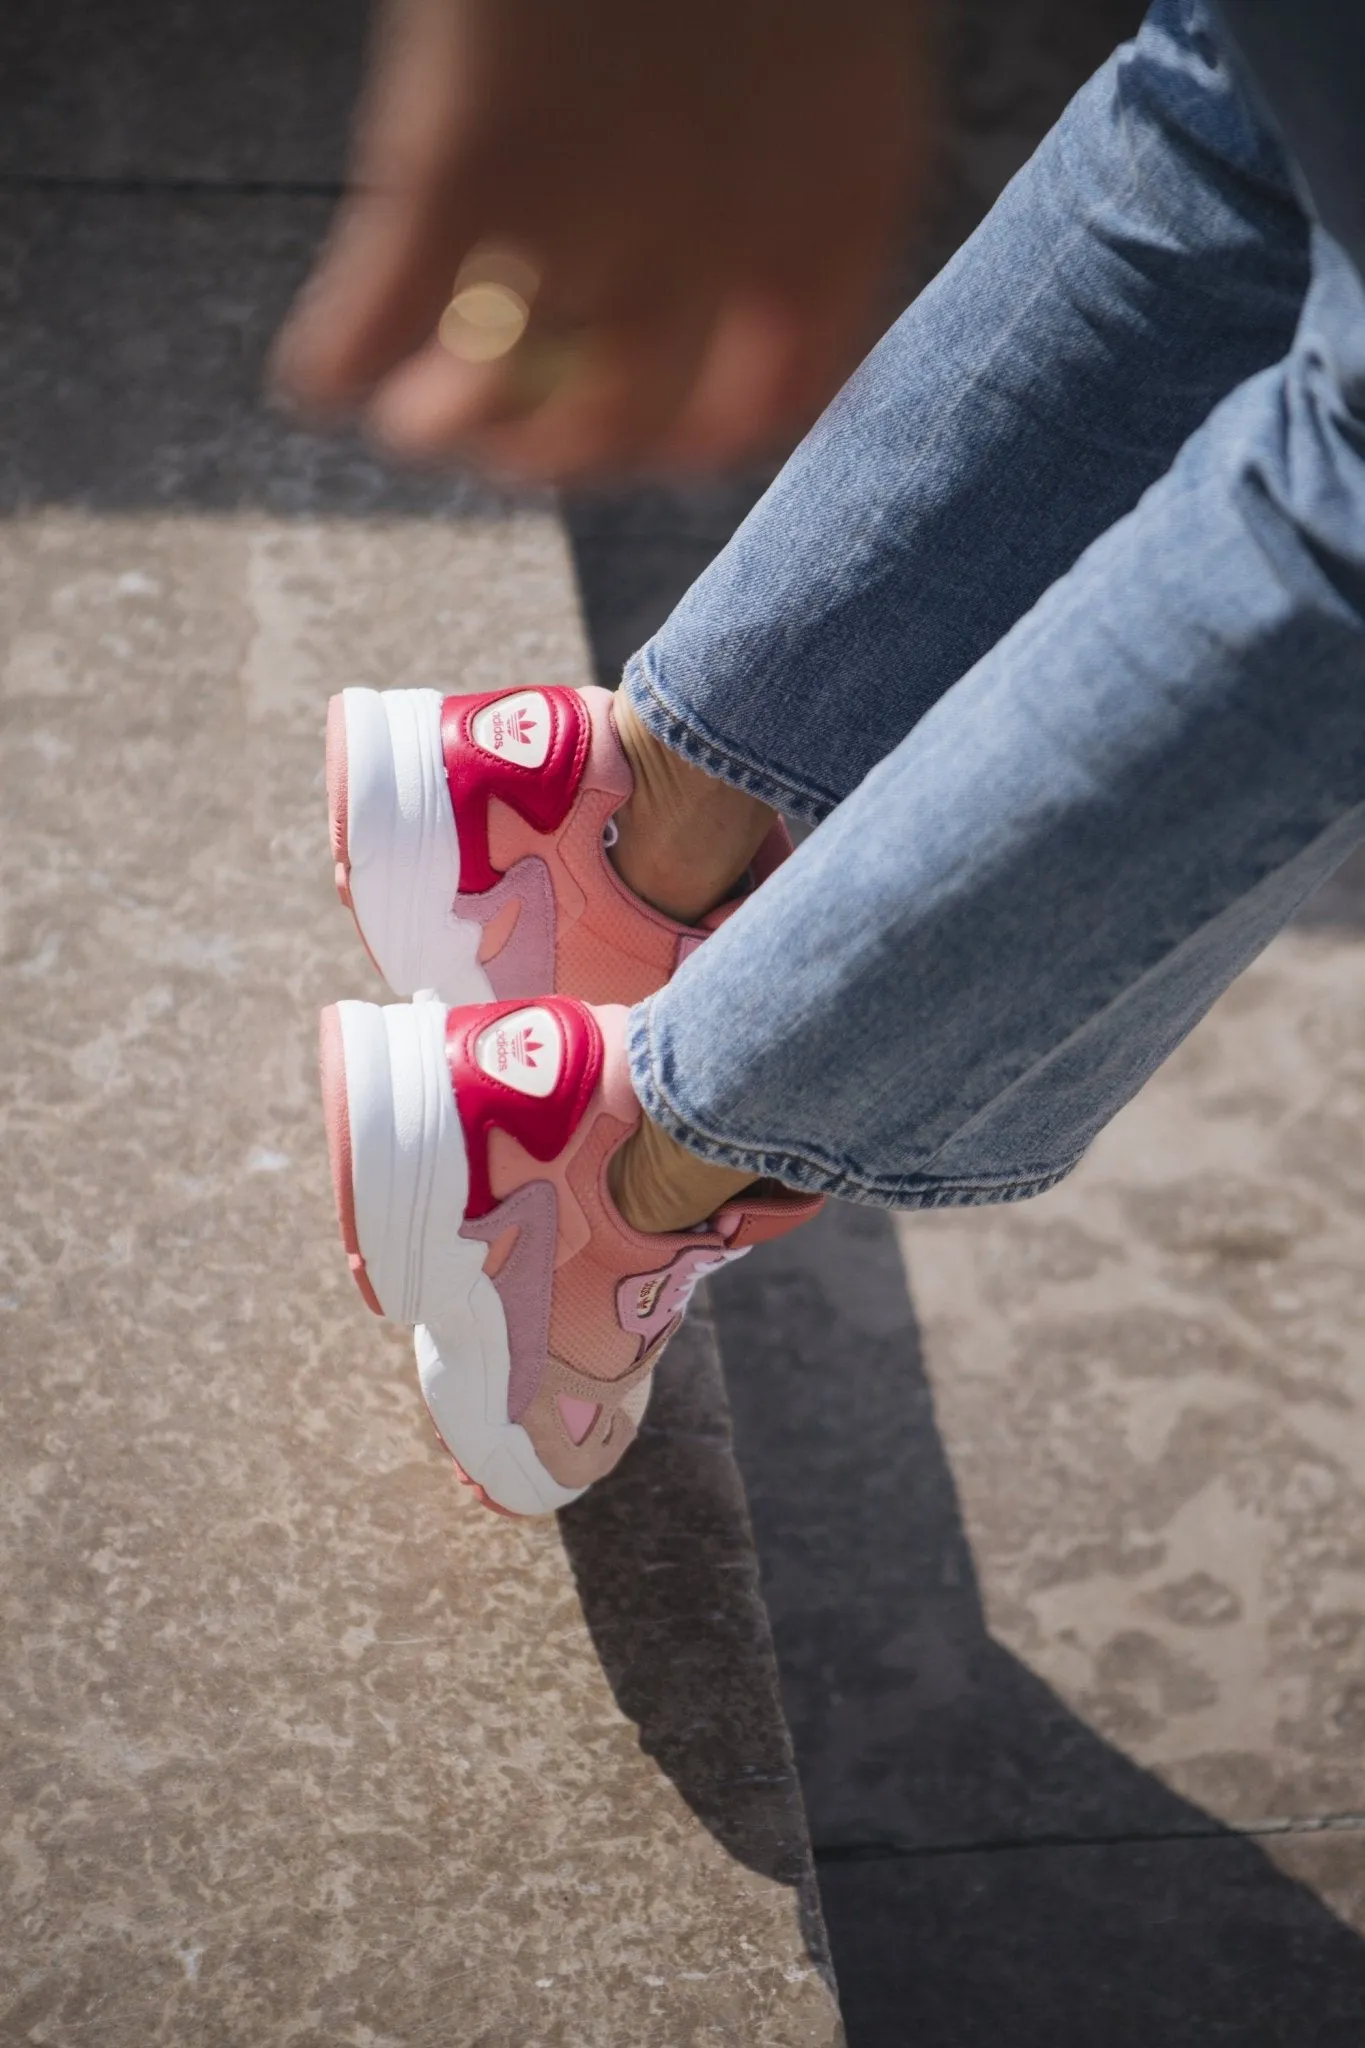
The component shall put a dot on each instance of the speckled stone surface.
(1059, 1508)
(300, 1745)
(1152, 1385)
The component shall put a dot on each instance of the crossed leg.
(1055, 622)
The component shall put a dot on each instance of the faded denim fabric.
(1056, 624)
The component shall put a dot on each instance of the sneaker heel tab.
(527, 746)
(764, 1217)
(496, 1054)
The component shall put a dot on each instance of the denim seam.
(806, 1171)
(682, 735)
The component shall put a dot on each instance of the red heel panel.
(528, 1069)
(525, 747)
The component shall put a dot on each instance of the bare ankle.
(684, 837)
(657, 1184)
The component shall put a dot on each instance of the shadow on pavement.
(669, 1589)
(991, 1870)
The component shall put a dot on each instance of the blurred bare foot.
(704, 199)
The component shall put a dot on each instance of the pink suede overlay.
(524, 965)
(524, 1281)
(578, 1416)
(578, 929)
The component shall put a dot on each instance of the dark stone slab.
(1150, 1388)
(133, 336)
(259, 90)
(1185, 1945)
(1083, 1558)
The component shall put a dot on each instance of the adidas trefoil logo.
(524, 1050)
(521, 1046)
(513, 1047)
(515, 729)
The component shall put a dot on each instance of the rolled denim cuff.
(680, 726)
(792, 1169)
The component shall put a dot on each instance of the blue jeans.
(1055, 627)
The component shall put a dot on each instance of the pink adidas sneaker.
(470, 838)
(470, 1150)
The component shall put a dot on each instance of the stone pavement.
(299, 1744)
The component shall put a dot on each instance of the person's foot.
(471, 1155)
(471, 837)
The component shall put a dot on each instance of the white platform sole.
(401, 1181)
(394, 843)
